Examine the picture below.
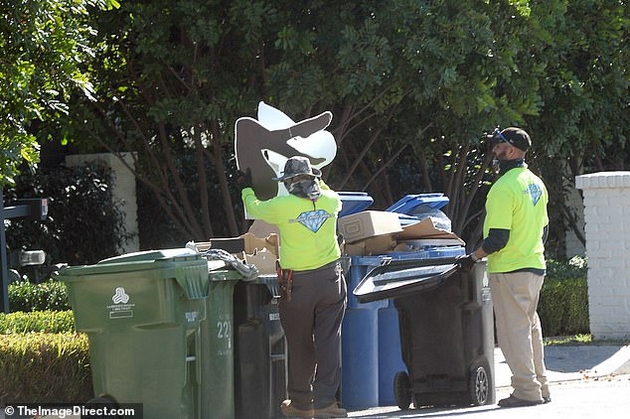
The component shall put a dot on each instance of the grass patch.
(581, 339)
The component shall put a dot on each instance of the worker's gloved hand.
(465, 262)
(244, 179)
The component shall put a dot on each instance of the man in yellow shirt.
(515, 230)
(314, 296)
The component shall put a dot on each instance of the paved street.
(587, 381)
(576, 399)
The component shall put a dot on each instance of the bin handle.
(198, 361)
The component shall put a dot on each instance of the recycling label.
(122, 308)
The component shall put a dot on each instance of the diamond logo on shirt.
(535, 192)
(313, 220)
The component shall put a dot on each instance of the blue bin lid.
(407, 204)
(353, 202)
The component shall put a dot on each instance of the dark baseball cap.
(513, 136)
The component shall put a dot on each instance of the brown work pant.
(312, 325)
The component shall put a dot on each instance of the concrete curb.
(573, 362)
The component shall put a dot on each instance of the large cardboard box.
(366, 224)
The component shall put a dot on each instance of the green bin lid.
(151, 255)
(188, 267)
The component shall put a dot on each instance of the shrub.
(37, 321)
(49, 295)
(567, 269)
(85, 223)
(563, 306)
(45, 368)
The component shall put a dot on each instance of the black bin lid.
(401, 278)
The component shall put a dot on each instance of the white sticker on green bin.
(121, 309)
(191, 316)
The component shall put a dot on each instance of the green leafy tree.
(42, 46)
(174, 76)
(582, 125)
(412, 87)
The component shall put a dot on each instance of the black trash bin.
(260, 357)
(446, 330)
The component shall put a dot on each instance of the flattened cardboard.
(262, 252)
(371, 246)
(262, 259)
(260, 228)
(380, 244)
(425, 229)
(264, 144)
(253, 243)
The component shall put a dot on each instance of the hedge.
(37, 321)
(45, 368)
(563, 306)
(48, 295)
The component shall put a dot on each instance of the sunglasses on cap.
(497, 133)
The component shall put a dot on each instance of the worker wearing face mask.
(314, 294)
(515, 230)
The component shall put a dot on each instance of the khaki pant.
(515, 299)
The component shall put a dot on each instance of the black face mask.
(304, 188)
(505, 165)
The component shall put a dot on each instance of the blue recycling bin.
(359, 339)
(410, 203)
(389, 353)
(359, 359)
(353, 202)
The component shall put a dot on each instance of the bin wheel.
(402, 390)
(479, 384)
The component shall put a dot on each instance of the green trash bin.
(159, 331)
(217, 367)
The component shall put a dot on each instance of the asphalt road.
(597, 398)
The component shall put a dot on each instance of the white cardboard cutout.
(263, 145)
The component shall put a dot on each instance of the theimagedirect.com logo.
(73, 410)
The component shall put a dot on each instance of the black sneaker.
(514, 401)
